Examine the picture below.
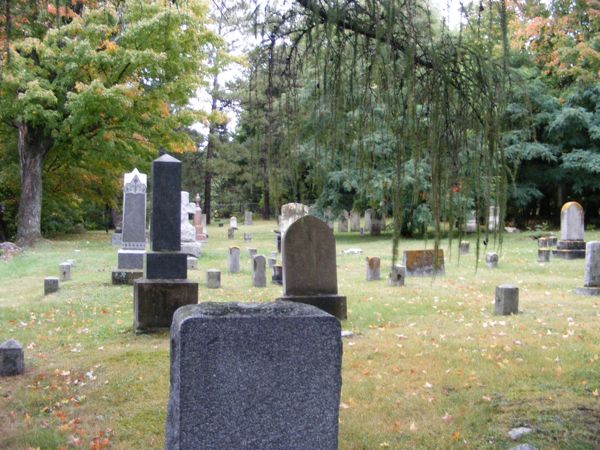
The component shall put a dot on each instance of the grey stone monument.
(343, 222)
(491, 260)
(254, 376)
(165, 286)
(233, 223)
(397, 275)
(309, 267)
(213, 279)
(507, 300)
(50, 285)
(247, 217)
(12, 358)
(464, 247)
(471, 223)
(130, 258)
(277, 276)
(544, 254)
(571, 244)
(354, 221)
(591, 277)
(230, 233)
(64, 271)
(373, 268)
(368, 221)
(189, 244)
(494, 218)
(234, 260)
(259, 271)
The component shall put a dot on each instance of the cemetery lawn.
(429, 366)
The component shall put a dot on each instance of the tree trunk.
(33, 145)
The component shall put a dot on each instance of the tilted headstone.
(290, 212)
(343, 222)
(491, 260)
(233, 223)
(254, 376)
(354, 221)
(571, 244)
(424, 262)
(397, 275)
(130, 258)
(234, 260)
(368, 220)
(464, 247)
(50, 285)
(259, 271)
(64, 271)
(591, 277)
(309, 266)
(248, 218)
(373, 268)
(12, 358)
(507, 300)
(213, 279)
(165, 286)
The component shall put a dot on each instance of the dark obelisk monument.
(165, 286)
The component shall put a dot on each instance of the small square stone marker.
(544, 254)
(64, 271)
(254, 376)
(373, 268)
(213, 279)
(50, 285)
(397, 275)
(491, 260)
(507, 300)
(12, 358)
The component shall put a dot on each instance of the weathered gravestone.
(64, 271)
(571, 244)
(234, 260)
(507, 300)
(368, 221)
(377, 226)
(423, 262)
(165, 286)
(189, 245)
(491, 260)
(354, 221)
(130, 258)
(373, 268)
(230, 233)
(252, 252)
(397, 275)
(254, 376)
(248, 218)
(213, 279)
(199, 221)
(471, 223)
(12, 358)
(463, 247)
(192, 263)
(50, 285)
(277, 276)
(544, 254)
(494, 218)
(233, 222)
(309, 268)
(259, 271)
(591, 277)
(343, 222)
(247, 237)
(271, 261)
(290, 212)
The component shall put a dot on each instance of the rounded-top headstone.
(571, 222)
(309, 258)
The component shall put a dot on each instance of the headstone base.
(126, 276)
(191, 248)
(570, 250)
(332, 304)
(155, 302)
(130, 259)
(588, 291)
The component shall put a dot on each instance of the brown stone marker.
(423, 262)
(309, 268)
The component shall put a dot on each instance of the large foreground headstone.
(591, 277)
(165, 286)
(309, 268)
(254, 376)
(424, 262)
(12, 358)
(571, 244)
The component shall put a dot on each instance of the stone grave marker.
(290, 212)
(343, 222)
(271, 261)
(252, 252)
(571, 244)
(165, 286)
(233, 222)
(254, 376)
(397, 275)
(494, 218)
(247, 237)
(130, 258)
(544, 254)
(248, 218)
(373, 268)
(213, 279)
(50, 285)
(189, 245)
(423, 262)
(309, 266)
(199, 222)
(192, 263)
(354, 221)
(507, 300)
(259, 271)
(368, 221)
(277, 276)
(12, 358)
(591, 277)
(471, 223)
(230, 233)
(234, 260)
(64, 271)
(491, 260)
(377, 226)
(464, 247)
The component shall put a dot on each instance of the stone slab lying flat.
(423, 262)
(254, 376)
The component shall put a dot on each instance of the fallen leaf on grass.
(456, 436)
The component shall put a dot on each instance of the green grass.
(429, 365)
